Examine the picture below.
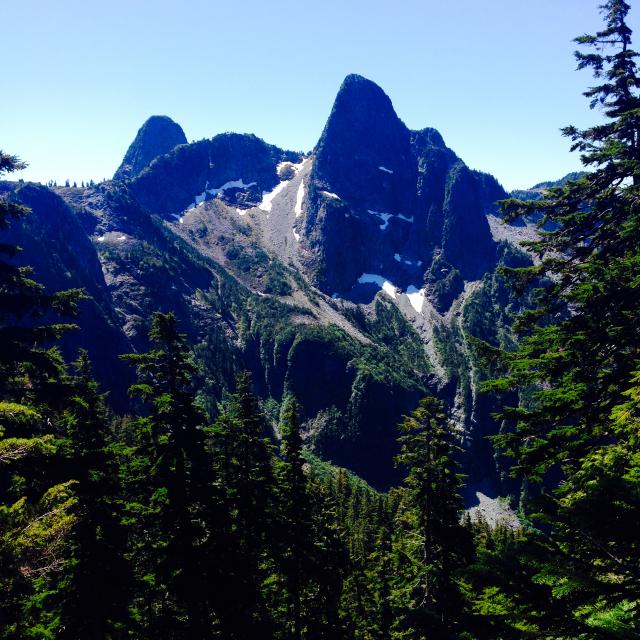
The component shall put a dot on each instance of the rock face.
(56, 245)
(405, 205)
(364, 153)
(157, 136)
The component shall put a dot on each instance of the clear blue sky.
(496, 77)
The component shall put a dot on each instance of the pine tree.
(329, 560)
(580, 352)
(378, 576)
(87, 596)
(295, 521)
(37, 506)
(24, 343)
(433, 489)
(243, 462)
(170, 481)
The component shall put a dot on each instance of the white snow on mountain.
(416, 297)
(385, 217)
(371, 278)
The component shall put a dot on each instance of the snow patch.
(231, 184)
(398, 258)
(296, 167)
(110, 236)
(385, 169)
(416, 297)
(385, 217)
(268, 196)
(299, 197)
(296, 235)
(371, 278)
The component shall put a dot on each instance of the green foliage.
(168, 480)
(575, 366)
(38, 497)
(435, 544)
(163, 525)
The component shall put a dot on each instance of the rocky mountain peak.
(157, 136)
(365, 147)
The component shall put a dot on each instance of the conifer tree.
(36, 504)
(91, 592)
(24, 342)
(433, 485)
(329, 561)
(243, 463)
(170, 482)
(580, 352)
(295, 524)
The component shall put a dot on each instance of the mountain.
(537, 191)
(188, 174)
(405, 204)
(353, 277)
(157, 136)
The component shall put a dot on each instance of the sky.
(496, 77)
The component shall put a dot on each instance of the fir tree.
(170, 482)
(243, 462)
(91, 592)
(37, 505)
(329, 561)
(580, 352)
(295, 511)
(433, 489)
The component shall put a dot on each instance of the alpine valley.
(354, 393)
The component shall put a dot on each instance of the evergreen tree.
(243, 462)
(433, 490)
(24, 342)
(170, 482)
(580, 353)
(328, 563)
(295, 522)
(90, 593)
(36, 504)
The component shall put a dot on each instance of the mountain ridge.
(278, 263)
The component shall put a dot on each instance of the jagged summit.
(363, 101)
(192, 173)
(157, 136)
(408, 209)
(362, 140)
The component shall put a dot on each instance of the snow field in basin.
(416, 296)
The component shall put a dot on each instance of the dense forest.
(184, 520)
